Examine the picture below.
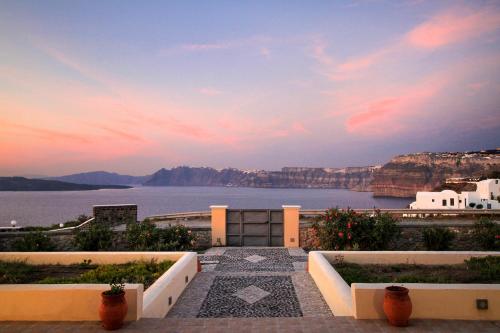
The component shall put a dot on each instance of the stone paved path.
(251, 282)
(252, 325)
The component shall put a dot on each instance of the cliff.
(404, 175)
(354, 178)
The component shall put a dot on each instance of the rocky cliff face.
(354, 178)
(405, 175)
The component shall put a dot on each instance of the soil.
(41, 272)
(411, 274)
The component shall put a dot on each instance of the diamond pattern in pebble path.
(221, 302)
(277, 260)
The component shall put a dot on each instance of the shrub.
(488, 267)
(346, 229)
(437, 239)
(177, 238)
(145, 272)
(487, 234)
(34, 241)
(479, 206)
(12, 272)
(97, 237)
(142, 236)
(472, 205)
(147, 236)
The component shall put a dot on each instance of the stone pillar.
(218, 225)
(291, 225)
(115, 214)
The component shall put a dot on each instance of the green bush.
(437, 239)
(12, 272)
(147, 236)
(488, 267)
(34, 241)
(487, 234)
(97, 237)
(479, 206)
(346, 229)
(145, 272)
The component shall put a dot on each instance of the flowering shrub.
(348, 230)
(487, 234)
(147, 236)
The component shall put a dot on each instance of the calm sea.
(46, 208)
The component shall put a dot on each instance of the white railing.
(75, 227)
(180, 216)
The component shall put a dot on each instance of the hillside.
(347, 178)
(25, 184)
(404, 175)
(101, 178)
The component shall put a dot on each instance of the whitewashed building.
(486, 196)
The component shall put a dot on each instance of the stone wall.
(115, 214)
(411, 237)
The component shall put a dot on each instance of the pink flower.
(497, 236)
(349, 236)
(341, 234)
(349, 225)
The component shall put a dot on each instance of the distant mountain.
(25, 184)
(102, 178)
(356, 178)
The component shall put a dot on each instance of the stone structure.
(115, 214)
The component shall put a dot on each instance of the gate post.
(218, 223)
(291, 225)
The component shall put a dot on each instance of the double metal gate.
(254, 227)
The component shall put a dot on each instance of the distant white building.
(486, 196)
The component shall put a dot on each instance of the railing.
(75, 227)
(180, 216)
(21, 229)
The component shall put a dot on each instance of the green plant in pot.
(113, 307)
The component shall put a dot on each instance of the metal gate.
(254, 227)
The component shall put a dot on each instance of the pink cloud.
(299, 127)
(452, 27)
(389, 114)
(205, 46)
(445, 28)
(319, 52)
(208, 91)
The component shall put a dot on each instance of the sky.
(133, 86)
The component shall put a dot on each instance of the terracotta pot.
(397, 305)
(113, 310)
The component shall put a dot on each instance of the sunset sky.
(132, 86)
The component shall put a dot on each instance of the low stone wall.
(411, 237)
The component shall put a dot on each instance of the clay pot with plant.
(113, 307)
(397, 305)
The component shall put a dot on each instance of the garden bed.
(476, 270)
(145, 272)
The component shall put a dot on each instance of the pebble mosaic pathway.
(249, 283)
